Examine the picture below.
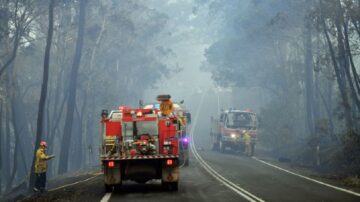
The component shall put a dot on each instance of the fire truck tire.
(170, 186)
(108, 188)
(117, 187)
(215, 147)
(221, 147)
(174, 186)
(186, 163)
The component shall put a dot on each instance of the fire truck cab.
(227, 131)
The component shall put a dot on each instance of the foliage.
(295, 50)
(120, 60)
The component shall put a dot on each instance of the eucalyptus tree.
(296, 50)
(44, 90)
(71, 102)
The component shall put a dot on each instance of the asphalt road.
(211, 176)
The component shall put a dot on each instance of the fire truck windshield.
(135, 129)
(240, 120)
(147, 127)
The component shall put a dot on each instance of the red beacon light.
(248, 110)
(123, 107)
(139, 114)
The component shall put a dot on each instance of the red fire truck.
(139, 145)
(227, 131)
(184, 115)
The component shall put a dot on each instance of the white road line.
(106, 197)
(307, 178)
(242, 192)
(67, 185)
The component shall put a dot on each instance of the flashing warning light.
(169, 162)
(111, 164)
(139, 114)
(248, 110)
(185, 139)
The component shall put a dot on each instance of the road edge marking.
(308, 178)
(106, 197)
(237, 189)
(74, 183)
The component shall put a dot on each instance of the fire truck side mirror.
(104, 113)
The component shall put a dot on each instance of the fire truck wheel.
(170, 186)
(117, 187)
(108, 188)
(174, 186)
(221, 147)
(186, 163)
(215, 147)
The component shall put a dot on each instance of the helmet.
(43, 143)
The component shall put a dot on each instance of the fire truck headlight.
(233, 135)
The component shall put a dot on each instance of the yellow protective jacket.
(166, 107)
(247, 138)
(40, 162)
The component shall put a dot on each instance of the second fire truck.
(228, 129)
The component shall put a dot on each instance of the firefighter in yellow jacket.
(247, 141)
(166, 107)
(41, 167)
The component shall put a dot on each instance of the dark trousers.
(40, 181)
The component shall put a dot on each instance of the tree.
(23, 16)
(44, 89)
(64, 154)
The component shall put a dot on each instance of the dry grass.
(353, 181)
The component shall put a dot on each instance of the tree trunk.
(14, 168)
(77, 143)
(17, 36)
(309, 79)
(1, 144)
(7, 146)
(19, 125)
(64, 154)
(343, 63)
(44, 86)
(339, 79)
(328, 108)
(85, 107)
(347, 70)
